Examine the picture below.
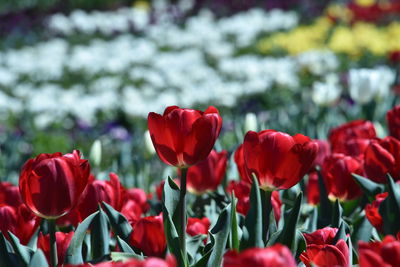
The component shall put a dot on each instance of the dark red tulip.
(148, 262)
(275, 256)
(278, 160)
(393, 120)
(207, 175)
(313, 188)
(62, 240)
(324, 150)
(348, 131)
(324, 236)
(9, 194)
(240, 165)
(51, 184)
(372, 211)
(337, 173)
(394, 56)
(184, 137)
(356, 147)
(383, 254)
(242, 193)
(98, 191)
(382, 156)
(148, 236)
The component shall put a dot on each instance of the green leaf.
(24, 253)
(234, 225)
(119, 223)
(203, 260)
(287, 236)
(325, 207)
(341, 234)
(38, 259)
(337, 214)
(172, 237)
(220, 233)
(390, 209)
(252, 230)
(100, 236)
(171, 196)
(124, 256)
(370, 188)
(125, 247)
(312, 221)
(74, 251)
(193, 244)
(362, 230)
(7, 257)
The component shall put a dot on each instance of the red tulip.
(148, 236)
(207, 174)
(184, 137)
(348, 131)
(62, 240)
(242, 193)
(132, 211)
(393, 120)
(356, 147)
(313, 188)
(278, 160)
(337, 172)
(372, 211)
(98, 191)
(196, 226)
(139, 196)
(324, 150)
(148, 262)
(51, 184)
(9, 194)
(382, 157)
(275, 256)
(239, 160)
(326, 255)
(383, 254)
(324, 236)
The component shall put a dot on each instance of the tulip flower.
(198, 226)
(184, 137)
(9, 194)
(63, 240)
(383, 254)
(393, 120)
(148, 262)
(278, 160)
(372, 211)
(240, 164)
(381, 157)
(207, 174)
(312, 188)
(351, 130)
(337, 173)
(321, 252)
(275, 256)
(148, 236)
(324, 150)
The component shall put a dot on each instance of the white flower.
(328, 92)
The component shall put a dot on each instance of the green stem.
(53, 243)
(266, 211)
(182, 212)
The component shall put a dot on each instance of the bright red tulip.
(348, 131)
(62, 240)
(278, 160)
(207, 174)
(372, 211)
(98, 191)
(326, 255)
(184, 137)
(196, 226)
(148, 262)
(51, 184)
(312, 189)
(337, 173)
(393, 120)
(240, 165)
(148, 236)
(324, 236)
(132, 211)
(382, 156)
(274, 256)
(382, 254)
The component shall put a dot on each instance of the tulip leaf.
(234, 236)
(203, 260)
(171, 196)
(100, 237)
(24, 253)
(325, 210)
(341, 234)
(7, 257)
(74, 251)
(252, 230)
(220, 233)
(172, 237)
(193, 244)
(337, 214)
(390, 209)
(119, 223)
(124, 256)
(123, 246)
(312, 221)
(287, 236)
(38, 259)
(369, 187)
(362, 230)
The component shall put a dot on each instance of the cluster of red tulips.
(62, 215)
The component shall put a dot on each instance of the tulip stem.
(53, 243)
(182, 209)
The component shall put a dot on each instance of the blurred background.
(84, 74)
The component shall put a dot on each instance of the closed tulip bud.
(348, 131)
(278, 160)
(382, 157)
(148, 236)
(275, 256)
(384, 254)
(337, 173)
(372, 211)
(393, 120)
(207, 174)
(184, 137)
(51, 184)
